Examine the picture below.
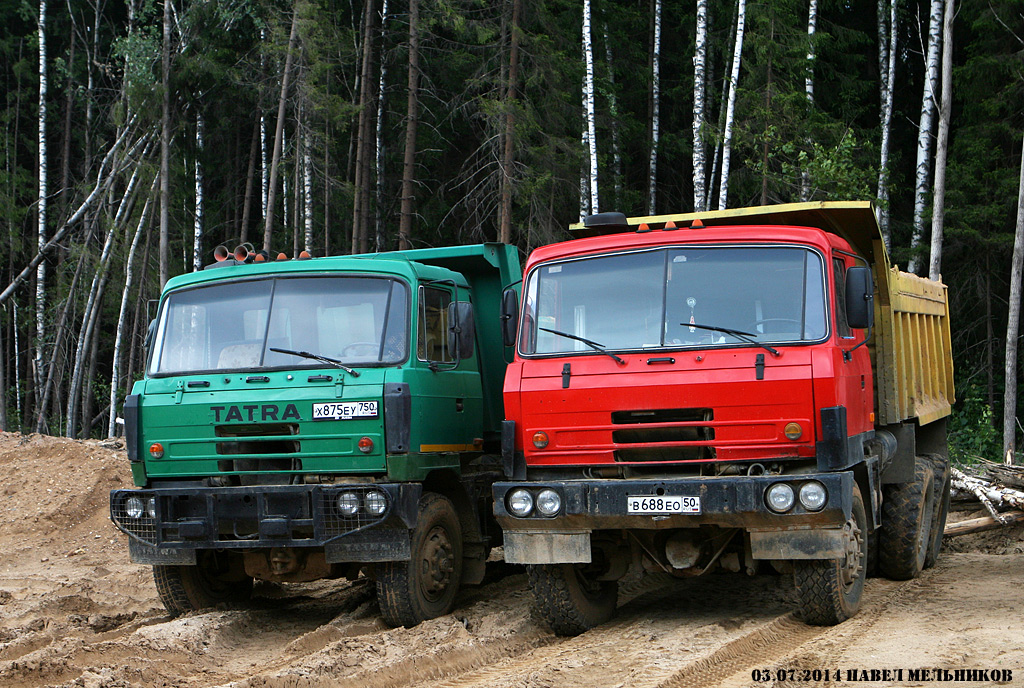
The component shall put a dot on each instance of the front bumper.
(177, 521)
(730, 502)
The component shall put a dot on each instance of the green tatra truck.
(315, 418)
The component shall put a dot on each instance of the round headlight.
(151, 507)
(134, 507)
(348, 503)
(813, 495)
(520, 502)
(548, 502)
(376, 502)
(780, 497)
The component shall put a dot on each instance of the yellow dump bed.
(910, 347)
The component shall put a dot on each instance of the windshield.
(235, 325)
(675, 297)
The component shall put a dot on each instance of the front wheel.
(570, 598)
(216, 579)
(830, 590)
(424, 587)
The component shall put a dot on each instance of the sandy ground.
(75, 612)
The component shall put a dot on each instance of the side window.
(839, 277)
(432, 334)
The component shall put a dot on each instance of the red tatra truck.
(735, 390)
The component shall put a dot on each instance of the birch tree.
(734, 75)
(887, 43)
(197, 225)
(41, 202)
(1013, 328)
(380, 239)
(924, 129)
(115, 371)
(165, 149)
(652, 172)
(699, 62)
(812, 23)
(588, 103)
(411, 122)
(942, 145)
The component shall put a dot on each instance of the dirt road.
(75, 612)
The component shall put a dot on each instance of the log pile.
(992, 495)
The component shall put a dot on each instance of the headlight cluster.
(373, 502)
(781, 497)
(140, 507)
(522, 502)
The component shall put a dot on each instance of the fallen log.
(977, 525)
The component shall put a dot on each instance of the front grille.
(247, 439)
(667, 428)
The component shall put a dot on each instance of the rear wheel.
(570, 598)
(424, 587)
(830, 590)
(908, 515)
(215, 580)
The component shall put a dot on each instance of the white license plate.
(647, 504)
(345, 410)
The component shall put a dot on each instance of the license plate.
(646, 504)
(345, 410)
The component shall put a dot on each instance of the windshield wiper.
(739, 334)
(593, 345)
(318, 357)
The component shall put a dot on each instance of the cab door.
(853, 365)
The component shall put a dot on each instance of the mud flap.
(547, 547)
(820, 543)
(156, 556)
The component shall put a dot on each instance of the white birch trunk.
(379, 238)
(737, 54)
(307, 194)
(942, 145)
(652, 186)
(103, 182)
(588, 55)
(41, 202)
(1013, 327)
(924, 131)
(197, 235)
(887, 68)
(115, 371)
(812, 24)
(264, 169)
(699, 61)
(165, 148)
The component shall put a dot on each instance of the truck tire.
(192, 588)
(830, 590)
(908, 511)
(943, 477)
(568, 599)
(424, 587)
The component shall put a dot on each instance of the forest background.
(140, 134)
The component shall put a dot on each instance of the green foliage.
(972, 431)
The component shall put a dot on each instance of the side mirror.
(860, 298)
(150, 334)
(509, 317)
(461, 331)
